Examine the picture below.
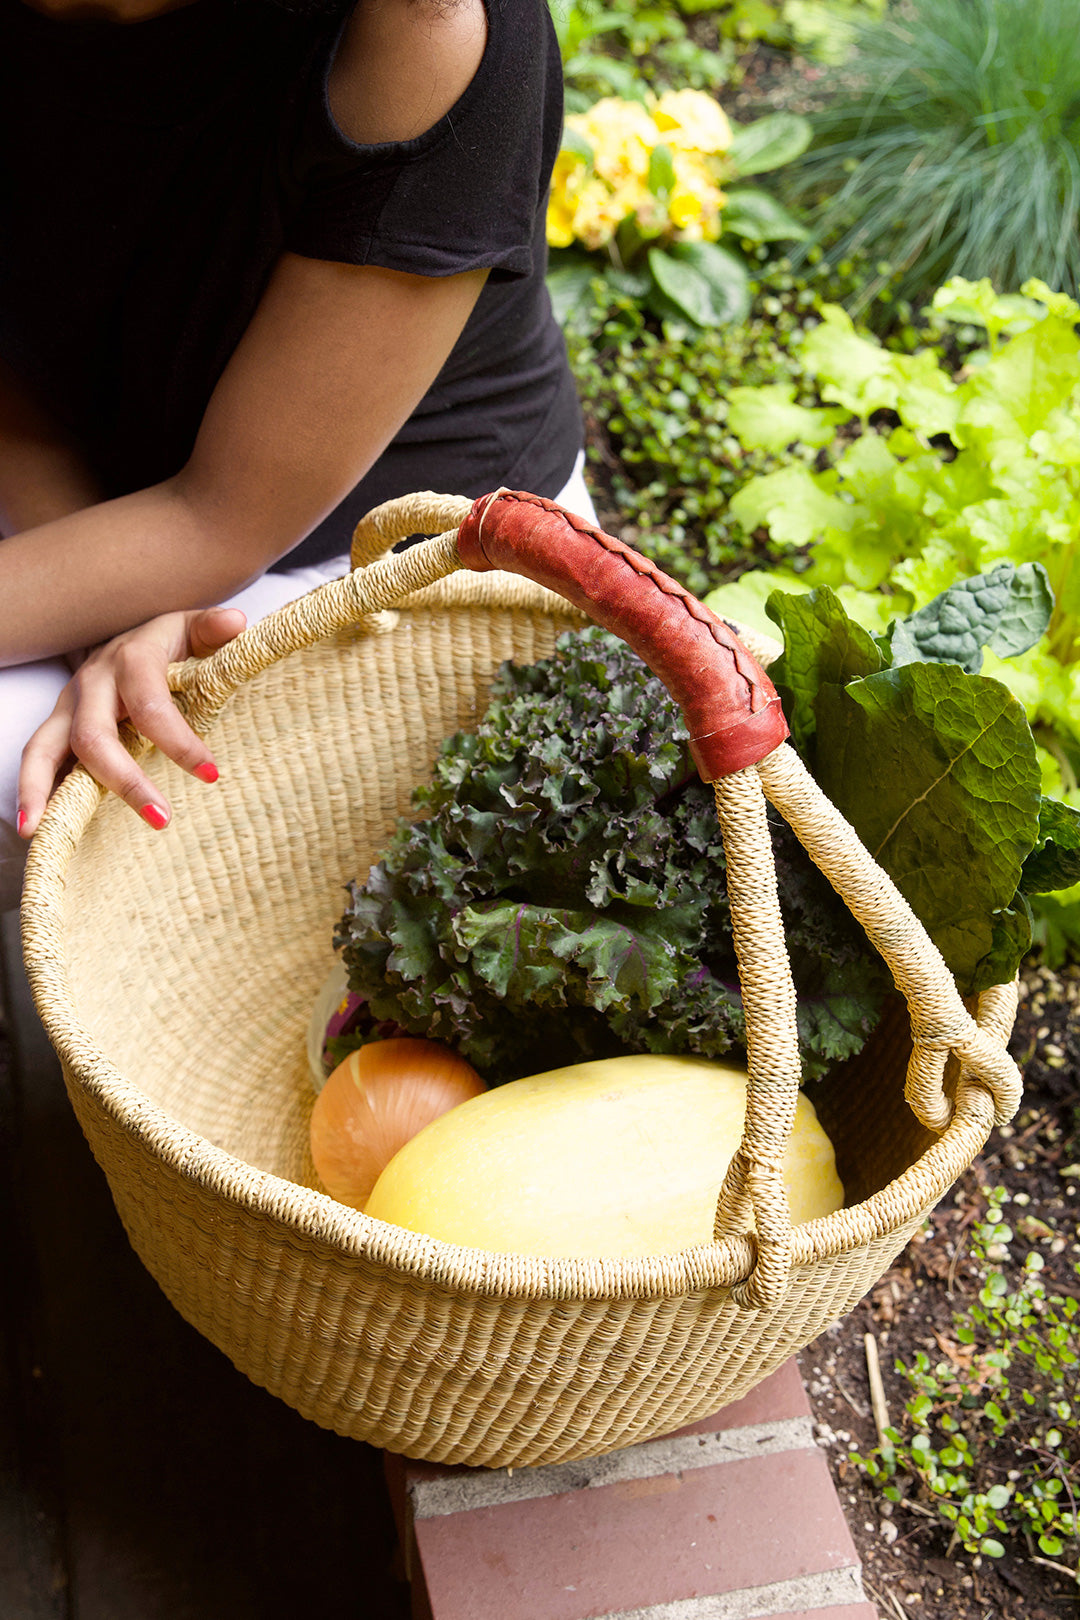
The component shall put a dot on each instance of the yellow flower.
(690, 120)
(696, 199)
(621, 134)
(567, 178)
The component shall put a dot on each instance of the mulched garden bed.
(908, 1565)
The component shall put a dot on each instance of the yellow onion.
(375, 1102)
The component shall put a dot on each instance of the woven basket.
(175, 974)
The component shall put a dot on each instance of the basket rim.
(313, 1217)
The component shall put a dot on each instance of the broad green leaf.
(683, 291)
(767, 418)
(1054, 863)
(791, 504)
(1006, 610)
(723, 272)
(1010, 940)
(936, 770)
(758, 217)
(822, 646)
(769, 143)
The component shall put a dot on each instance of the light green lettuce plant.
(931, 477)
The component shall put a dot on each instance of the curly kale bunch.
(564, 896)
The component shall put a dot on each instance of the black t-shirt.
(150, 175)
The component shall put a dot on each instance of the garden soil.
(910, 1569)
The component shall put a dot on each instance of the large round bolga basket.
(176, 972)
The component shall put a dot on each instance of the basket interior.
(195, 954)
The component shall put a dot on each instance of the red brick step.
(729, 1519)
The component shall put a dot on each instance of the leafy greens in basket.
(563, 896)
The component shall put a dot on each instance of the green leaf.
(769, 143)
(792, 504)
(555, 956)
(822, 646)
(1006, 610)
(758, 217)
(723, 273)
(683, 289)
(767, 418)
(991, 1547)
(1054, 863)
(936, 770)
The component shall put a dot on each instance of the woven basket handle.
(731, 707)
(738, 734)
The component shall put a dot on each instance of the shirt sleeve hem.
(412, 258)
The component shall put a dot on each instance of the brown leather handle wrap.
(730, 706)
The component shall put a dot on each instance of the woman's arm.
(42, 475)
(333, 363)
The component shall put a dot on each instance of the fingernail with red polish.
(207, 772)
(154, 814)
(20, 820)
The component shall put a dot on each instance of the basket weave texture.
(175, 974)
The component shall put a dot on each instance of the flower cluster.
(659, 165)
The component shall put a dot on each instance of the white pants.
(28, 692)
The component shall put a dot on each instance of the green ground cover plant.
(659, 403)
(951, 143)
(989, 1438)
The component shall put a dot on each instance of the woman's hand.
(125, 678)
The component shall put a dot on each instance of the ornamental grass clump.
(952, 145)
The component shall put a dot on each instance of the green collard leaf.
(822, 647)
(756, 216)
(768, 418)
(792, 504)
(1006, 610)
(769, 143)
(1054, 863)
(1010, 939)
(936, 770)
